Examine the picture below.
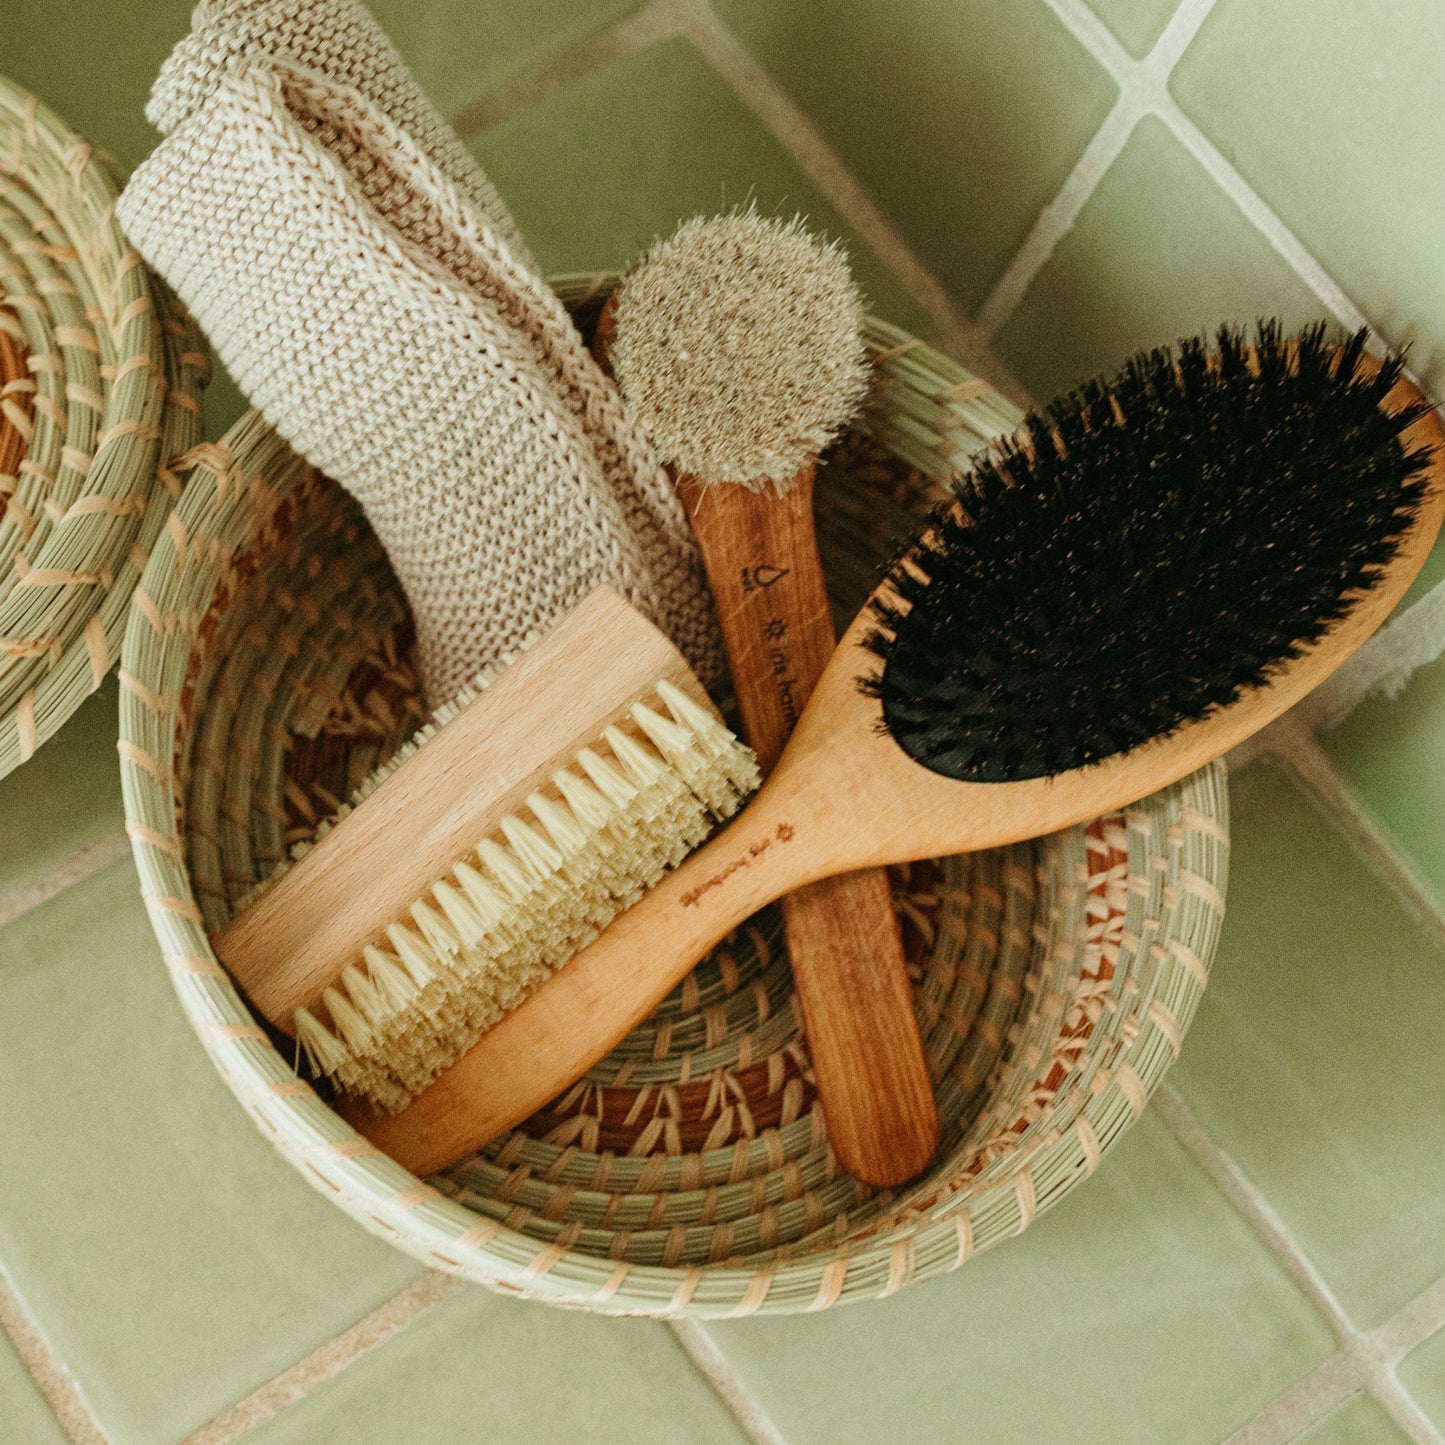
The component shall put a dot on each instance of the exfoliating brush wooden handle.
(761, 555)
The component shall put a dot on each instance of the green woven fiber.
(118, 370)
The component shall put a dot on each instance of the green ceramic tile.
(1360, 1422)
(962, 120)
(664, 139)
(65, 797)
(481, 1367)
(1428, 577)
(1159, 252)
(25, 1418)
(461, 51)
(93, 61)
(1137, 23)
(1140, 1310)
(1331, 112)
(1423, 1374)
(224, 403)
(1389, 751)
(169, 1256)
(1317, 1058)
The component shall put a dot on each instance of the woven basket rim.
(150, 365)
(924, 409)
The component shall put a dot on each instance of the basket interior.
(699, 1140)
(270, 671)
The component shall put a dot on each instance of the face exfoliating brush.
(736, 346)
(523, 819)
(1152, 571)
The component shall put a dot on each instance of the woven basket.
(266, 671)
(113, 373)
(17, 412)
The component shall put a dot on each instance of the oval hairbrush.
(736, 344)
(1153, 570)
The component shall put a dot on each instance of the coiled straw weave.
(100, 377)
(265, 672)
(17, 413)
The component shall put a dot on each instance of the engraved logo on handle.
(783, 833)
(762, 577)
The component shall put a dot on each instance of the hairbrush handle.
(761, 555)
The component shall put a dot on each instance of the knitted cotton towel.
(337, 39)
(380, 323)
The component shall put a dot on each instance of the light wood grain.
(842, 797)
(558, 697)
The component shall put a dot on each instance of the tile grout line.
(1140, 84)
(1410, 1326)
(1406, 1330)
(1326, 1388)
(397, 1315)
(1355, 1369)
(1059, 216)
(1365, 1359)
(1401, 1406)
(657, 21)
(1263, 217)
(85, 862)
(1177, 36)
(785, 121)
(713, 1364)
(1176, 39)
(1256, 1210)
(1304, 1405)
(797, 133)
(1299, 751)
(52, 1379)
(329, 1360)
(1144, 90)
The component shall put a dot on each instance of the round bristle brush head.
(738, 348)
(1145, 550)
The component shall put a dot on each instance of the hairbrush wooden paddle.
(736, 345)
(1154, 570)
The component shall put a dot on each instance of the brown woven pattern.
(17, 414)
(113, 372)
(266, 671)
